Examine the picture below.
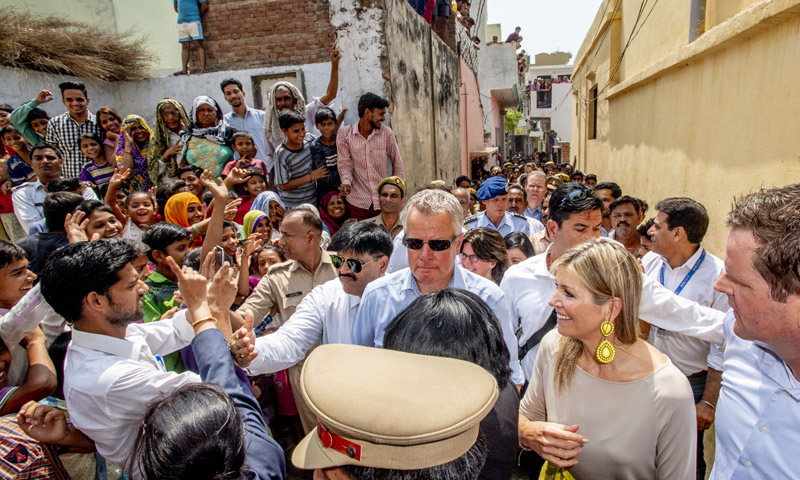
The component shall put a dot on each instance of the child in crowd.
(265, 257)
(294, 173)
(255, 184)
(19, 165)
(138, 210)
(243, 145)
(100, 220)
(110, 123)
(230, 241)
(30, 120)
(99, 171)
(323, 150)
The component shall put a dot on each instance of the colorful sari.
(177, 211)
(139, 179)
(207, 147)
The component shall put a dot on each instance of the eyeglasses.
(436, 245)
(578, 195)
(472, 258)
(354, 264)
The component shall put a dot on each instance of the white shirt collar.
(106, 344)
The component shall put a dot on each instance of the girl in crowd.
(483, 252)
(100, 220)
(519, 247)
(184, 209)
(98, 172)
(165, 144)
(641, 421)
(138, 211)
(254, 185)
(207, 140)
(132, 151)
(256, 223)
(333, 211)
(110, 129)
(271, 203)
(265, 257)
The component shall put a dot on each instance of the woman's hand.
(173, 150)
(128, 137)
(556, 443)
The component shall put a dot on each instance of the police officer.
(494, 194)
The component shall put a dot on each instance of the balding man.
(462, 195)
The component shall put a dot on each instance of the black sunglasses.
(353, 264)
(578, 195)
(436, 245)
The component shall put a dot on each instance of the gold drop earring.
(605, 351)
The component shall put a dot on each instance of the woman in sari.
(333, 211)
(184, 209)
(166, 145)
(207, 140)
(132, 149)
(256, 223)
(272, 204)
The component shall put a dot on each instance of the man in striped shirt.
(364, 149)
(65, 130)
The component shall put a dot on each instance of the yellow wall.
(710, 120)
(154, 18)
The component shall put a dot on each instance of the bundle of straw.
(66, 47)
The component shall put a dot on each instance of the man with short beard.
(626, 214)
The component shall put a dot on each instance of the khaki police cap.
(395, 181)
(387, 409)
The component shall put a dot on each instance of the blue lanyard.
(688, 275)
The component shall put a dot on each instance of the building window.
(592, 113)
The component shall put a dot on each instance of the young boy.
(294, 173)
(323, 150)
(165, 240)
(19, 165)
(255, 183)
(30, 120)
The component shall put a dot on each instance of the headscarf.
(262, 201)
(251, 221)
(272, 130)
(332, 224)
(177, 207)
(140, 180)
(219, 133)
(159, 141)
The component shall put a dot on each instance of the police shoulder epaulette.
(518, 215)
(469, 219)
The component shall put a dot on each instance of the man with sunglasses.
(433, 234)
(494, 194)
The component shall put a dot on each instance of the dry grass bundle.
(55, 45)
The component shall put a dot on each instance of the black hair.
(521, 241)
(370, 101)
(467, 466)
(324, 113)
(77, 269)
(63, 185)
(645, 227)
(519, 187)
(256, 172)
(36, 114)
(227, 224)
(6, 108)
(687, 213)
(209, 443)
(591, 176)
(189, 168)
(289, 117)
(162, 235)
(452, 323)
(73, 86)
(57, 206)
(230, 81)
(139, 248)
(90, 206)
(307, 215)
(207, 198)
(254, 256)
(616, 192)
(90, 135)
(561, 206)
(129, 197)
(240, 134)
(639, 204)
(463, 178)
(362, 238)
(10, 252)
(192, 259)
(7, 129)
(164, 192)
(43, 145)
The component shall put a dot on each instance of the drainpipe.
(697, 19)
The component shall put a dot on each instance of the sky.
(547, 25)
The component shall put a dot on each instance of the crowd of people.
(218, 293)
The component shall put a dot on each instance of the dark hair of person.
(92, 136)
(10, 252)
(639, 204)
(289, 117)
(129, 197)
(463, 178)
(562, 207)
(516, 186)
(36, 114)
(161, 235)
(227, 224)
(467, 466)
(362, 238)
(452, 323)
(90, 206)
(77, 269)
(44, 145)
(57, 206)
(230, 81)
(307, 216)
(63, 185)
(139, 248)
(240, 134)
(7, 129)
(106, 111)
(6, 108)
(324, 113)
(591, 176)
(192, 259)
(254, 256)
(72, 86)
(164, 192)
(370, 101)
(645, 227)
(687, 213)
(197, 171)
(256, 172)
(616, 192)
(209, 443)
(521, 241)
(488, 245)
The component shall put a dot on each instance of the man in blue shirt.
(494, 194)
(433, 235)
(251, 120)
(190, 31)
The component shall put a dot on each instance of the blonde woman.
(602, 402)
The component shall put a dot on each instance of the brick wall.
(266, 33)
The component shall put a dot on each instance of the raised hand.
(44, 96)
(120, 175)
(192, 285)
(243, 342)
(335, 54)
(217, 188)
(222, 290)
(231, 209)
(75, 226)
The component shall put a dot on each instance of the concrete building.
(499, 87)
(551, 108)
(695, 99)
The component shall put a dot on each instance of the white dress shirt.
(28, 201)
(108, 382)
(689, 354)
(325, 315)
(758, 414)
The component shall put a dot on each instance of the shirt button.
(765, 429)
(747, 463)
